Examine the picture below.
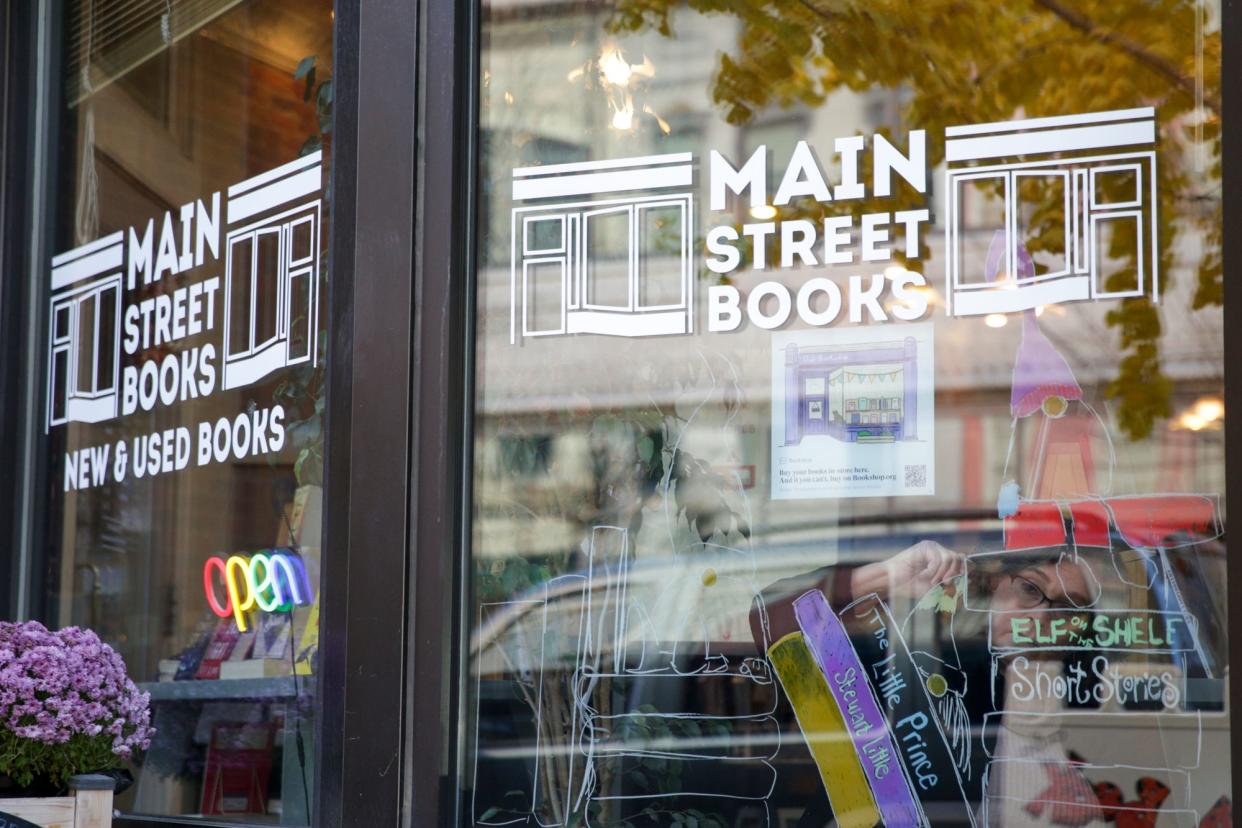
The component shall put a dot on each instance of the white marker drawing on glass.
(609, 682)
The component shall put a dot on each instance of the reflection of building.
(84, 337)
(271, 271)
(1088, 217)
(620, 267)
(850, 394)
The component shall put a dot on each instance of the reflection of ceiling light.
(927, 292)
(1210, 409)
(660, 122)
(614, 68)
(995, 320)
(763, 212)
(894, 272)
(1192, 421)
(1039, 310)
(623, 116)
(1207, 412)
(615, 81)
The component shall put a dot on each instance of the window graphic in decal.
(852, 383)
(621, 267)
(1100, 167)
(271, 272)
(84, 337)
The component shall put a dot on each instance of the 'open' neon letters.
(267, 582)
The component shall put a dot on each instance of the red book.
(221, 645)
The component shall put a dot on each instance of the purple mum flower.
(58, 685)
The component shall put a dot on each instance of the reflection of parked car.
(595, 713)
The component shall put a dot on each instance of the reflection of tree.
(970, 61)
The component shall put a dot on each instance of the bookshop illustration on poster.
(852, 413)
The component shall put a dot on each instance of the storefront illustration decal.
(271, 269)
(268, 320)
(84, 333)
(623, 265)
(147, 318)
(1060, 158)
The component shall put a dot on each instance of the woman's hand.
(910, 573)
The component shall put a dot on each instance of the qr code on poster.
(916, 476)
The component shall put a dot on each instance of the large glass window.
(848, 422)
(185, 354)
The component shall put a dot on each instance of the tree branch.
(1161, 66)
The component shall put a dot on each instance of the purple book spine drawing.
(868, 727)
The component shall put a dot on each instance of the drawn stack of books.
(868, 717)
(597, 720)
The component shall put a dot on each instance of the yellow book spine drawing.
(825, 733)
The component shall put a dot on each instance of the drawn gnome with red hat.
(1068, 430)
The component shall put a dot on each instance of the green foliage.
(500, 579)
(967, 61)
(27, 761)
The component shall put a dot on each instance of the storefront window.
(186, 353)
(848, 416)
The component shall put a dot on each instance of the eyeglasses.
(1030, 596)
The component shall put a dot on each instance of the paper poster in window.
(852, 412)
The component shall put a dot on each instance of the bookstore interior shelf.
(274, 687)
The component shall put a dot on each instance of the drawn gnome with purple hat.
(1060, 464)
(1068, 430)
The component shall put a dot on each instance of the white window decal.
(1107, 210)
(84, 333)
(271, 266)
(620, 267)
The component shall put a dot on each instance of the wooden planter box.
(89, 806)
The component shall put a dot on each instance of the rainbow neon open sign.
(265, 582)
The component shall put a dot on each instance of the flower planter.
(89, 805)
(67, 707)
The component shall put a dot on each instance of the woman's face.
(1038, 587)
